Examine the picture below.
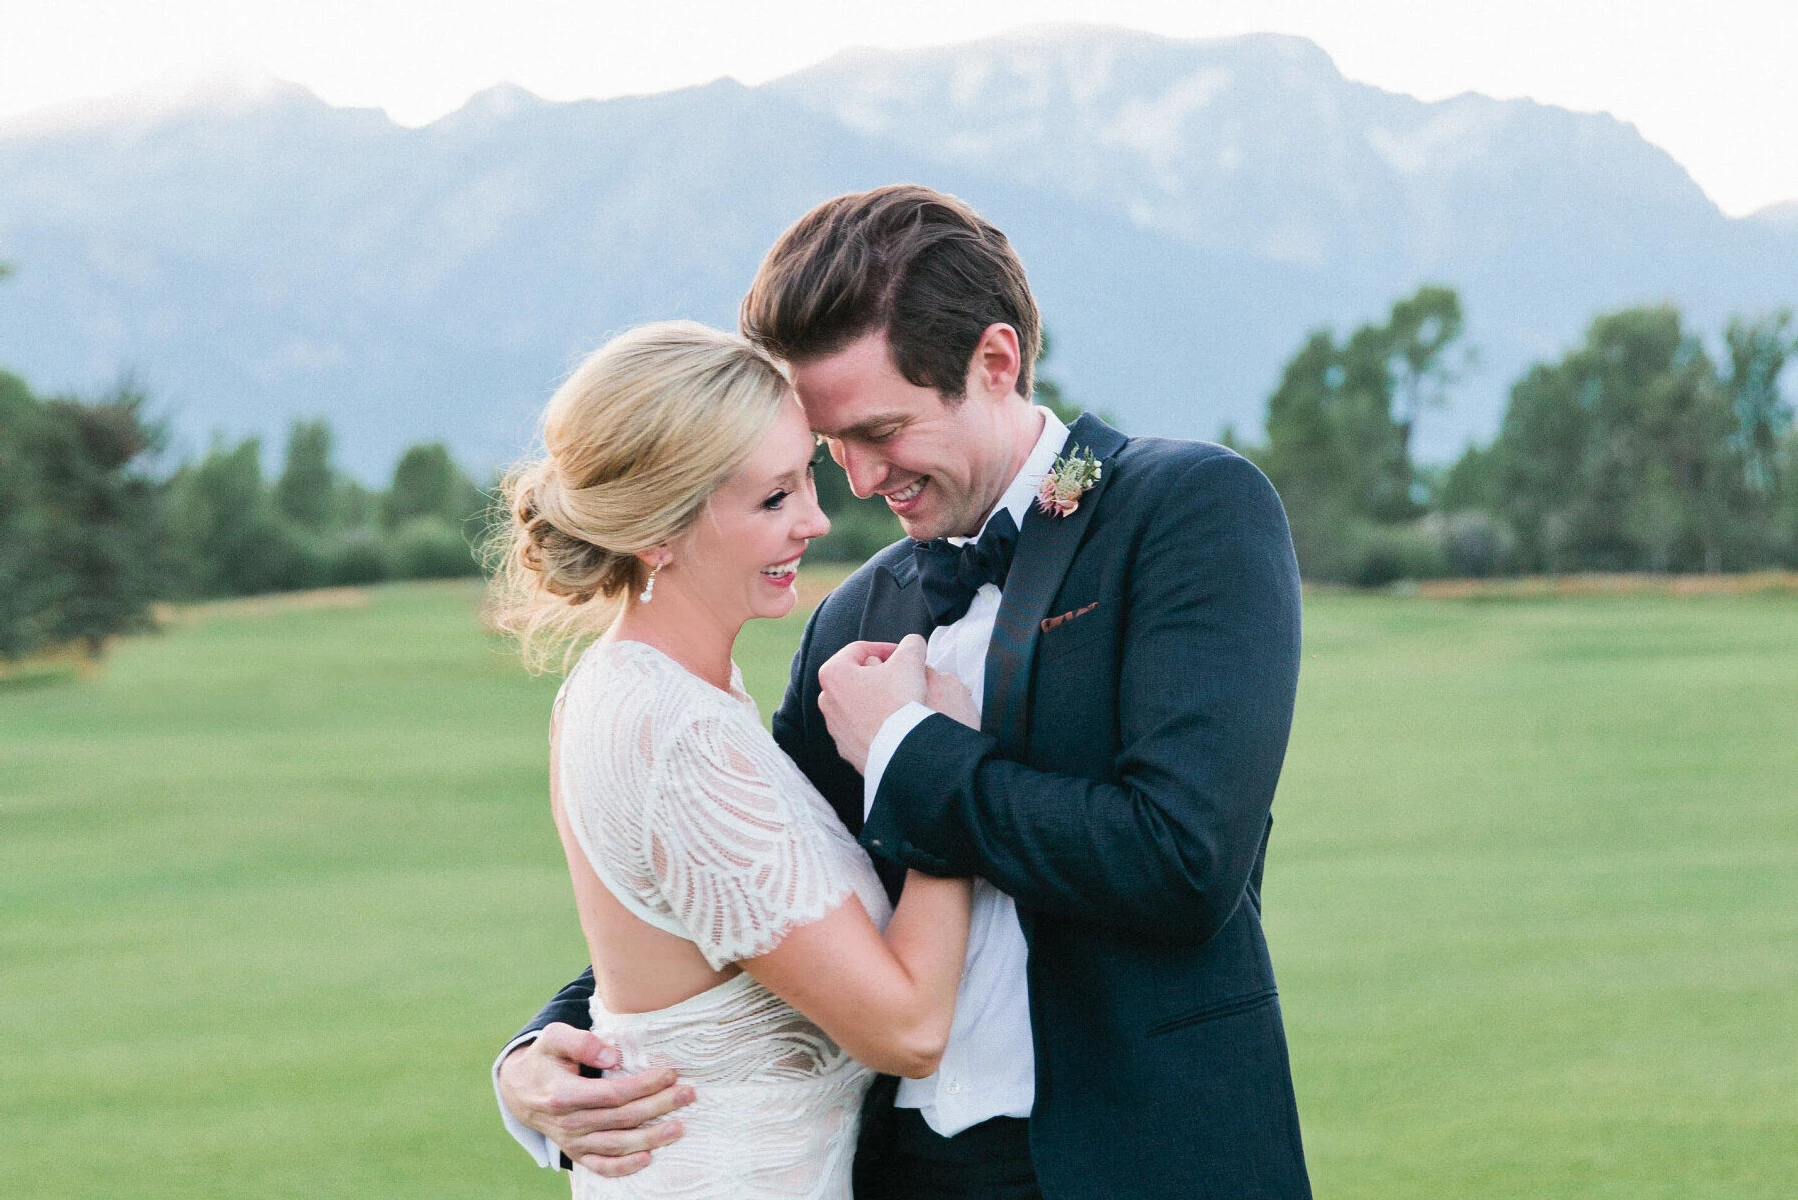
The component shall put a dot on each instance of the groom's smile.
(905, 501)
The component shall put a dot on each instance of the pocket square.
(1051, 622)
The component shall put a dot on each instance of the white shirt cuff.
(546, 1152)
(885, 745)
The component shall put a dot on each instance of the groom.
(1129, 629)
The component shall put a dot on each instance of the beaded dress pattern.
(698, 823)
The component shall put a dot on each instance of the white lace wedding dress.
(698, 823)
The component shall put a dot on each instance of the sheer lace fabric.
(698, 823)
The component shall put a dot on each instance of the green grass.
(276, 883)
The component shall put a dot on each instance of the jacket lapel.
(895, 606)
(1046, 547)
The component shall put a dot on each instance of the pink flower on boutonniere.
(1072, 476)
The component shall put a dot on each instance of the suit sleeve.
(790, 719)
(569, 1006)
(1165, 844)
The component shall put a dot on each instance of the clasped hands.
(864, 683)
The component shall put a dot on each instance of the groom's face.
(939, 465)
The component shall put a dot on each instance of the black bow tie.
(950, 575)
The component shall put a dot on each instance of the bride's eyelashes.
(774, 501)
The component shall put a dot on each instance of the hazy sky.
(1715, 83)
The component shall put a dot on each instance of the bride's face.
(741, 558)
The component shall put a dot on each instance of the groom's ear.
(993, 367)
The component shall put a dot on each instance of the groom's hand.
(598, 1123)
(863, 684)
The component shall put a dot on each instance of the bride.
(738, 933)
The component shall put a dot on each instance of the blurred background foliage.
(1636, 450)
(95, 527)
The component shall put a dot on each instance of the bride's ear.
(655, 558)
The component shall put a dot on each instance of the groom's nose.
(865, 468)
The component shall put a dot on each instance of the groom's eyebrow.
(865, 427)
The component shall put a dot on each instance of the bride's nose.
(812, 522)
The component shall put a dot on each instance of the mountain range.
(1187, 210)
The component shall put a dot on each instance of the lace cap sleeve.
(741, 847)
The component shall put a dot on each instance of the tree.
(236, 543)
(1417, 335)
(106, 528)
(1339, 426)
(1620, 455)
(1536, 463)
(27, 589)
(1757, 355)
(1782, 524)
(306, 493)
(428, 483)
(83, 544)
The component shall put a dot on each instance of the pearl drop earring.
(649, 589)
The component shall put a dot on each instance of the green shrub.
(1372, 556)
(1474, 544)
(431, 548)
(359, 557)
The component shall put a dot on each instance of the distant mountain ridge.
(1188, 210)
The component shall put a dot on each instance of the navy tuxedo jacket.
(1138, 697)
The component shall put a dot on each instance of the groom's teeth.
(902, 496)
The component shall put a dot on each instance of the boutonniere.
(1072, 476)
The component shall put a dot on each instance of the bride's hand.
(950, 696)
(863, 684)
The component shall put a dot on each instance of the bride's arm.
(888, 1000)
(740, 857)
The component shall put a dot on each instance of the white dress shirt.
(540, 1148)
(989, 1067)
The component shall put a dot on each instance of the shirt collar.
(1018, 498)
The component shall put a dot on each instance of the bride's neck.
(699, 640)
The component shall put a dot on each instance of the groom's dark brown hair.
(914, 263)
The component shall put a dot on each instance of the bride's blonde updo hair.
(636, 442)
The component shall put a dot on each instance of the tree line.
(94, 529)
(1636, 450)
